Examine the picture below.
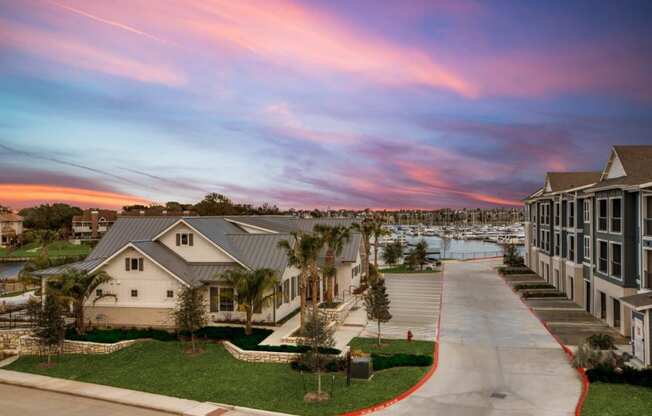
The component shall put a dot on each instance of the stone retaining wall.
(10, 338)
(260, 356)
(31, 346)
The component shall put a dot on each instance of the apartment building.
(92, 224)
(590, 235)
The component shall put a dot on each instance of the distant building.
(11, 228)
(92, 224)
(158, 212)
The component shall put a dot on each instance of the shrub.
(601, 341)
(110, 336)
(626, 375)
(527, 295)
(507, 270)
(383, 361)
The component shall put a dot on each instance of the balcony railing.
(616, 269)
(602, 265)
(615, 225)
(602, 224)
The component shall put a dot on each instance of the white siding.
(202, 250)
(152, 284)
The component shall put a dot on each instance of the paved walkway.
(495, 357)
(414, 306)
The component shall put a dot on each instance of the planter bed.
(532, 285)
(535, 295)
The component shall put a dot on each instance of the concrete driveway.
(414, 306)
(495, 357)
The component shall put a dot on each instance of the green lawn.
(56, 249)
(162, 367)
(392, 346)
(402, 268)
(617, 400)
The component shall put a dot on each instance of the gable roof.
(10, 216)
(127, 229)
(563, 181)
(261, 250)
(636, 162)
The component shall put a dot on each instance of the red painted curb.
(569, 353)
(426, 377)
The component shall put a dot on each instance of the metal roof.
(208, 272)
(84, 265)
(166, 258)
(261, 250)
(127, 229)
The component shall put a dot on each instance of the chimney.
(164, 212)
(141, 212)
(94, 215)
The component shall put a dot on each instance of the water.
(10, 270)
(462, 249)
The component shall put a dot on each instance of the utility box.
(361, 368)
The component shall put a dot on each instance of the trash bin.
(361, 368)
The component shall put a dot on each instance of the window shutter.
(190, 239)
(127, 263)
(140, 264)
(178, 239)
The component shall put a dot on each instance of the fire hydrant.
(409, 336)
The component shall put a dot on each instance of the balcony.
(646, 282)
(616, 269)
(602, 224)
(616, 225)
(602, 265)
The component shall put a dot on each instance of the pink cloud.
(67, 50)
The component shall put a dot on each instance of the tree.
(511, 256)
(377, 304)
(302, 251)
(445, 245)
(317, 334)
(251, 290)
(190, 314)
(51, 325)
(335, 238)
(392, 253)
(77, 287)
(44, 238)
(377, 231)
(50, 217)
(420, 253)
(365, 227)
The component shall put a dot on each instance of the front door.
(639, 337)
(588, 296)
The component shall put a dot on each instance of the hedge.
(534, 286)
(383, 361)
(628, 375)
(234, 334)
(527, 295)
(514, 270)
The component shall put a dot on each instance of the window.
(571, 247)
(134, 293)
(279, 295)
(603, 254)
(170, 293)
(571, 289)
(286, 291)
(616, 304)
(226, 299)
(185, 239)
(616, 260)
(214, 299)
(571, 214)
(557, 244)
(587, 247)
(602, 215)
(134, 263)
(587, 210)
(98, 292)
(293, 288)
(603, 306)
(616, 215)
(557, 213)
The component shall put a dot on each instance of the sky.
(339, 103)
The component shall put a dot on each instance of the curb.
(584, 379)
(424, 379)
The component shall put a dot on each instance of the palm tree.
(302, 252)
(77, 287)
(251, 290)
(377, 231)
(365, 227)
(45, 238)
(334, 238)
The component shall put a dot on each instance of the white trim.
(610, 216)
(568, 245)
(597, 226)
(587, 246)
(130, 245)
(181, 220)
(251, 226)
(586, 203)
(598, 252)
(610, 262)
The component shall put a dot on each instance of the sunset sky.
(340, 103)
